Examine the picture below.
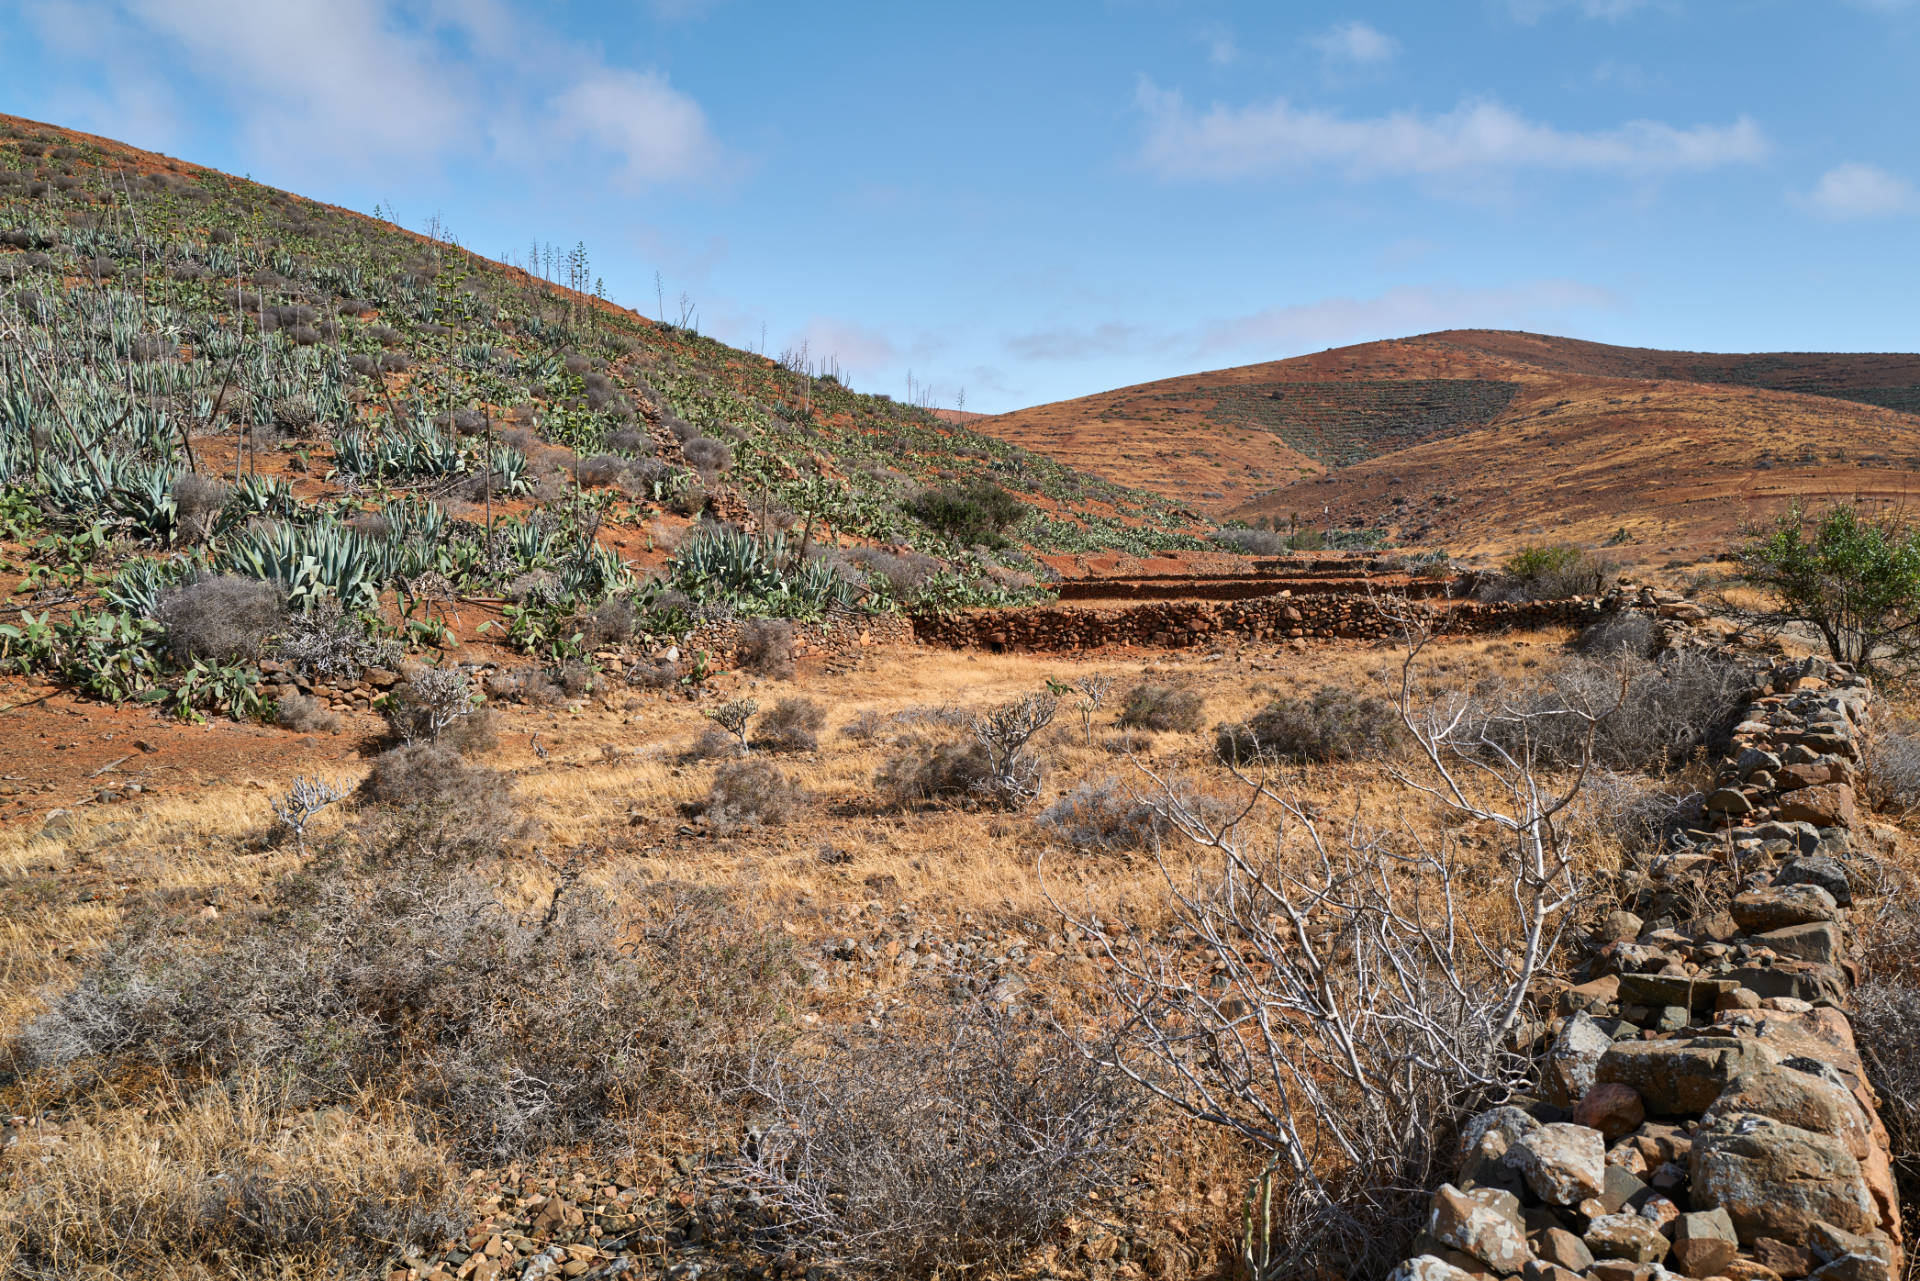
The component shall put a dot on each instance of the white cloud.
(1355, 44)
(1334, 322)
(1220, 45)
(1855, 191)
(1607, 10)
(659, 133)
(1069, 343)
(1325, 322)
(370, 83)
(1476, 137)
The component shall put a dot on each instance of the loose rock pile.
(1702, 1108)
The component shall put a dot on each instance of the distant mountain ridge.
(1333, 432)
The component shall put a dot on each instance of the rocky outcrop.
(1702, 1107)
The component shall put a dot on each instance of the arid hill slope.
(1485, 433)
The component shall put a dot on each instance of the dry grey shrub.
(766, 647)
(509, 1031)
(225, 620)
(1157, 706)
(424, 801)
(994, 764)
(198, 499)
(1004, 734)
(436, 704)
(1668, 711)
(790, 725)
(1343, 1012)
(327, 640)
(1891, 773)
(735, 717)
(1625, 632)
(753, 793)
(1110, 815)
(936, 1151)
(933, 770)
(1886, 1011)
(1334, 725)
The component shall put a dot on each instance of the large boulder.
(1563, 1164)
(1704, 1242)
(1626, 1236)
(1683, 1076)
(1799, 1099)
(1829, 805)
(1817, 869)
(1568, 1071)
(1777, 907)
(1484, 1223)
(1820, 942)
(1427, 1267)
(1777, 1180)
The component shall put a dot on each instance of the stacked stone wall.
(1702, 1108)
(1185, 623)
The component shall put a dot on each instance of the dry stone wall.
(1179, 624)
(1702, 1108)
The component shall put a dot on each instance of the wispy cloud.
(657, 133)
(1219, 43)
(1855, 191)
(1325, 322)
(1476, 137)
(1332, 322)
(369, 83)
(1531, 11)
(1070, 343)
(1355, 44)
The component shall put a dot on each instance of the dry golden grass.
(198, 1184)
(606, 804)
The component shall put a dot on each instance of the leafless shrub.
(713, 744)
(1626, 632)
(1344, 1013)
(791, 725)
(529, 685)
(753, 793)
(735, 717)
(198, 500)
(302, 803)
(1089, 692)
(1005, 733)
(1334, 725)
(766, 647)
(326, 640)
(221, 619)
(1891, 776)
(304, 715)
(939, 1152)
(941, 770)
(1156, 706)
(1110, 815)
(513, 1031)
(436, 704)
(1667, 710)
(707, 456)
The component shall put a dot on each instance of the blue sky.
(1034, 201)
